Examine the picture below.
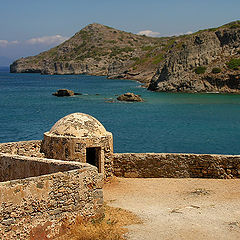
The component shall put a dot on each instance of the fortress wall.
(39, 206)
(24, 148)
(170, 165)
(18, 167)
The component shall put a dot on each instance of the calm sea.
(165, 122)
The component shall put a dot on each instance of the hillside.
(206, 61)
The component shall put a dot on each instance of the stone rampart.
(44, 194)
(23, 148)
(170, 165)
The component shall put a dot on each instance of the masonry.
(170, 165)
(40, 193)
(46, 182)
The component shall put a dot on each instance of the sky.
(28, 27)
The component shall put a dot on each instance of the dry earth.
(179, 208)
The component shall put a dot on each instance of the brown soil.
(179, 208)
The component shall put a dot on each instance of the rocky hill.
(205, 61)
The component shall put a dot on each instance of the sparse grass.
(212, 29)
(111, 41)
(110, 227)
(118, 50)
(159, 58)
(140, 61)
(134, 58)
(148, 48)
(84, 35)
(169, 44)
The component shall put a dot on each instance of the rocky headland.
(205, 61)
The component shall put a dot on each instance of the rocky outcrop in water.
(200, 62)
(63, 93)
(130, 97)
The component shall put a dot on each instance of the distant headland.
(205, 61)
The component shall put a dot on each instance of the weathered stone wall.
(33, 149)
(24, 148)
(17, 167)
(40, 205)
(169, 165)
(74, 149)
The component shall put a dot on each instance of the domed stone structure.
(80, 137)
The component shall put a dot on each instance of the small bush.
(216, 70)
(234, 63)
(200, 70)
(110, 227)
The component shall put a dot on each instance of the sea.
(164, 122)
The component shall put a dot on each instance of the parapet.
(37, 194)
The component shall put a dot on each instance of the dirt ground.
(179, 208)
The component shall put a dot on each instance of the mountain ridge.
(173, 64)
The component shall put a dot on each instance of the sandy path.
(179, 208)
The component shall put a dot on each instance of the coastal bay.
(164, 122)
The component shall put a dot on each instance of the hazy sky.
(28, 27)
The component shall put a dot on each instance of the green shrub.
(234, 63)
(216, 70)
(200, 70)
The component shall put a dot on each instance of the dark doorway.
(93, 157)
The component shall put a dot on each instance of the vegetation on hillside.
(200, 70)
(234, 63)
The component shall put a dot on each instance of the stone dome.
(78, 125)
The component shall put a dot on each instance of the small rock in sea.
(63, 93)
(130, 97)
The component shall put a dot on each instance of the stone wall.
(74, 149)
(39, 206)
(169, 165)
(18, 167)
(34, 148)
(24, 148)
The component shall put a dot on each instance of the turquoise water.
(165, 122)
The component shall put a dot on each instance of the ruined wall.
(17, 167)
(73, 149)
(154, 165)
(40, 205)
(24, 148)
